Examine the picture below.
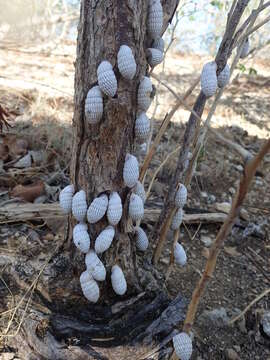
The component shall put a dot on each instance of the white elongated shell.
(180, 256)
(159, 44)
(126, 62)
(209, 79)
(183, 346)
(136, 208)
(181, 196)
(141, 239)
(177, 219)
(144, 93)
(224, 77)
(65, 198)
(142, 127)
(139, 190)
(79, 205)
(95, 266)
(89, 287)
(154, 57)
(24, 162)
(104, 239)
(155, 19)
(81, 237)
(245, 49)
(97, 209)
(119, 283)
(130, 171)
(115, 209)
(93, 105)
(106, 78)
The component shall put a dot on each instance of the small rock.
(217, 317)
(232, 190)
(211, 199)
(224, 207)
(204, 194)
(244, 214)
(239, 168)
(206, 240)
(232, 355)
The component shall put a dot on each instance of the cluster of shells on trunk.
(210, 81)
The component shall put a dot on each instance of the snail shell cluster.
(245, 49)
(136, 207)
(154, 56)
(144, 94)
(95, 266)
(141, 239)
(131, 171)
(65, 198)
(180, 256)
(115, 209)
(209, 79)
(181, 196)
(126, 62)
(97, 209)
(155, 19)
(177, 219)
(183, 346)
(104, 239)
(79, 205)
(118, 280)
(89, 287)
(142, 127)
(139, 190)
(159, 44)
(106, 78)
(94, 105)
(224, 77)
(81, 237)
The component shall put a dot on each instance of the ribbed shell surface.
(118, 280)
(181, 196)
(245, 49)
(81, 238)
(180, 256)
(155, 19)
(89, 287)
(154, 57)
(183, 346)
(106, 78)
(115, 209)
(209, 79)
(104, 239)
(177, 219)
(224, 77)
(97, 209)
(131, 171)
(144, 94)
(159, 44)
(95, 266)
(139, 190)
(142, 127)
(65, 198)
(79, 205)
(141, 239)
(126, 62)
(136, 208)
(94, 105)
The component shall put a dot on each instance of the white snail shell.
(89, 287)
(183, 346)
(144, 93)
(142, 127)
(81, 237)
(126, 62)
(159, 44)
(177, 219)
(95, 266)
(154, 56)
(141, 239)
(181, 196)
(24, 162)
(136, 208)
(93, 105)
(180, 256)
(115, 209)
(131, 170)
(224, 77)
(104, 239)
(155, 19)
(119, 283)
(97, 209)
(245, 49)
(139, 190)
(106, 78)
(209, 79)
(65, 198)
(79, 205)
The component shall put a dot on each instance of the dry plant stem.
(246, 179)
(162, 130)
(258, 298)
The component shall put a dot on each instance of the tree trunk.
(97, 167)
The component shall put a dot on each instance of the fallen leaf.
(231, 251)
(28, 192)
